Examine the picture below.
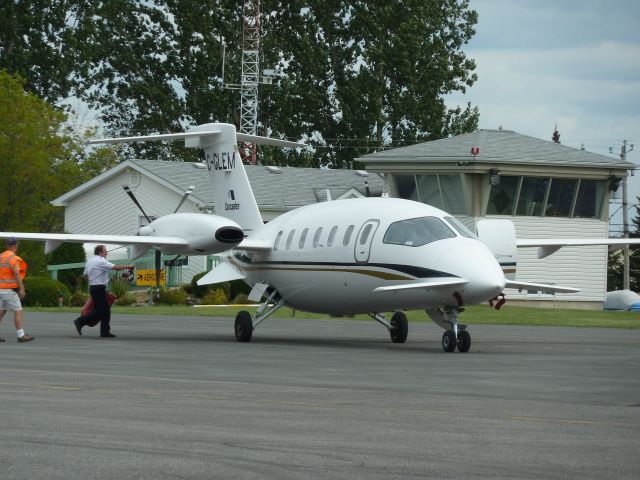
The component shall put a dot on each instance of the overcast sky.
(574, 63)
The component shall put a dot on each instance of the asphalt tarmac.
(178, 397)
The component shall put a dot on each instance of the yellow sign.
(148, 277)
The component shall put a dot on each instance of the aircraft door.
(364, 239)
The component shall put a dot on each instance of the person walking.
(97, 272)
(12, 271)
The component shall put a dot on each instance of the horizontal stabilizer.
(547, 246)
(540, 287)
(57, 238)
(222, 273)
(276, 142)
(425, 283)
(157, 138)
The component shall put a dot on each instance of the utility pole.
(626, 283)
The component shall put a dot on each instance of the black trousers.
(102, 309)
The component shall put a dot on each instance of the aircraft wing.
(255, 244)
(438, 282)
(547, 246)
(55, 239)
(540, 287)
(224, 272)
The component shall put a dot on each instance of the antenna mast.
(250, 76)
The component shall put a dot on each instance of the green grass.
(478, 314)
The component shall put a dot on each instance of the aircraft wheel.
(464, 341)
(243, 326)
(448, 341)
(399, 327)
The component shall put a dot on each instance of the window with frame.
(347, 235)
(316, 237)
(303, 238)
(332, 236)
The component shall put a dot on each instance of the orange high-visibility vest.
(8, 260)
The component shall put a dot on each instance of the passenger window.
(316, 237)
(290, 238)
(347, 235)
(365, 234)
(303, 237)
(332, 236)
(275, 244)
(415, 232)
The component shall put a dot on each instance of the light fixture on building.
(614, 183)
(494, 177)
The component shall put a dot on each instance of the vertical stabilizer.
(232, 191)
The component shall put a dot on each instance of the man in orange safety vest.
(12, 272)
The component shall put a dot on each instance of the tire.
(399, 328)
(243, 326)
(448, 341)
(464, 341)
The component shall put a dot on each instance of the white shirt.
(97, 270)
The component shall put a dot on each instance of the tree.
(360, 75)
(40, 160)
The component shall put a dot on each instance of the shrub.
(215, 297)
(172, 297)
(199, 291)
(44, 292)
(78, 299)
(238, 287)
(119, 286)
(126, 299)
(241, 299)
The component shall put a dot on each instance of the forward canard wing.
(431, 283)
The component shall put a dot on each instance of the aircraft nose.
(475, 262)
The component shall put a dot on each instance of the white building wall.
(579, 267)
(107, 209)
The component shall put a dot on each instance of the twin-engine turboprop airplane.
(356, 256)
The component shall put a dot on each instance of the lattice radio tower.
(250, 78)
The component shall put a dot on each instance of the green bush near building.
(45, 292)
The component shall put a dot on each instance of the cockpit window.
(417, 231)
(460, 227)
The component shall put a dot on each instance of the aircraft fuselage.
(330, 257)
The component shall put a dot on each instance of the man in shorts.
(12, 272)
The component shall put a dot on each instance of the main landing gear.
(398, 326)
(455, 335)
(245, 324)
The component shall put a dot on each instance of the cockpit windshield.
(415, 232)
(460, 227)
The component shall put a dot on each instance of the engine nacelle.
(206, 234)
(500, 236)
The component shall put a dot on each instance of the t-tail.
(233, 195)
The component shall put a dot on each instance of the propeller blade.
(135, 200)
(184, 197)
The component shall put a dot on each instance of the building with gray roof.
(100, 206)
(546, 189)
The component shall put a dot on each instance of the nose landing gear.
(455, 335)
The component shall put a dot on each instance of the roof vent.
(199, 165)
(273, 169)
(361, 173)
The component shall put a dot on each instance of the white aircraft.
(356, 256)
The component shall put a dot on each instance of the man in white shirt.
(97, 271)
